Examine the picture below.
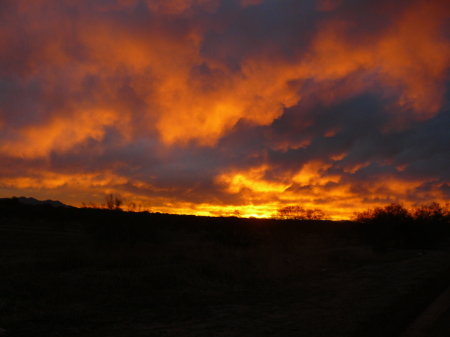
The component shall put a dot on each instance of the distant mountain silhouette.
(34, 202)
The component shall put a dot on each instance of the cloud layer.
(207, 106)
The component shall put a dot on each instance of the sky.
(210, 106)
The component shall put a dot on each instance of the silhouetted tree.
(132, 206)
(235, 214)
(396, 213)
(432, 213)
(396, 226)
(113, 202)
(300, 213)
(90, 204)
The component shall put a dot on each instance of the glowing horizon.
(210, 106)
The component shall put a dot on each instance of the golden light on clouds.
(211, 106)
(253, 180)
(59, 135)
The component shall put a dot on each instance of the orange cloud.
(411, 56)
(240, 105)
(252, 179)
(59, 135)
(50, 180)
(415, 56)
(310, 173)
(207, 116)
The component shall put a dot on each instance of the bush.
(395, 226)
(300, 213)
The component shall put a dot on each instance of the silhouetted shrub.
(112, 202)
(300, 213)
(432, 222)
(396, 226)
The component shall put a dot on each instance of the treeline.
(391, 226)
(396, 226)
(299, 213)
(113, 226)
(116, 203)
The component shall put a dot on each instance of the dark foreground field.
(116, 274)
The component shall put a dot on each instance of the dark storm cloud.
(275, 29)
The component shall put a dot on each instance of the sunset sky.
(209, 106)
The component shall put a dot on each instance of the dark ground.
(194, 277)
